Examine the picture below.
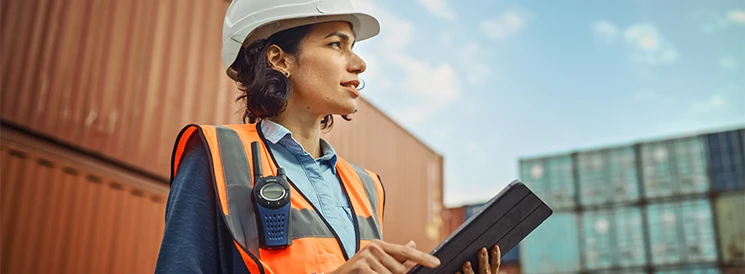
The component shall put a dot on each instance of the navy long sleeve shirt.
(196, 239)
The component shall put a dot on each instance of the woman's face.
(324, 72)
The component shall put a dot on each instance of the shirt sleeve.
(196, 239)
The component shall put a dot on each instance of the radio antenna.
(256, 158)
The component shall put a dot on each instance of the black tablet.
(505, 220)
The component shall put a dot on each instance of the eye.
(335, 44)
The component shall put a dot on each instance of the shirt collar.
(278, 134)
(274, 132)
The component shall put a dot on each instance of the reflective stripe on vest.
(229, 150)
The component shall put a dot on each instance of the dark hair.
(265, 90)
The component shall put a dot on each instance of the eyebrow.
(341, 35)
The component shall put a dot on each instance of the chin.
(346, 108)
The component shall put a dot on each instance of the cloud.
(729, 63)
(710, 21)
(605, 31)
(737, 16)
(649, 46)
(434, 87)
(715, 102)
(504, 25)
(397, 35)
(438, 8)
(470, 59)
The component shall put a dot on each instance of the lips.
(352, 86)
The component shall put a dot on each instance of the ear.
(278, 59)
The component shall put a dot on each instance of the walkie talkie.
(271, 196)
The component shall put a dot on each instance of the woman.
(312, 212)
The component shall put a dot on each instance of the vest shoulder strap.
(232, 177)
(373, 189)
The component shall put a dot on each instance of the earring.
(287, 74)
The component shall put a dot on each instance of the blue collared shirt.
(314, 178)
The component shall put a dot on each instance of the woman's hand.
(488, 264)
(382, 257)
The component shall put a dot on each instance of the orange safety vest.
(315, 246)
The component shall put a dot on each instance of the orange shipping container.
(63, 212)
(455, 217)
(119, 78)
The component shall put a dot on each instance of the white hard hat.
(250, 20)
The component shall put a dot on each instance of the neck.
(306, 130)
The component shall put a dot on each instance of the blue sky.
(487, 82)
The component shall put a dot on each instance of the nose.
(356, 64)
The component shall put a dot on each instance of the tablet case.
(505, 220)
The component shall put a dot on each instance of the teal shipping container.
(621, 271)
(613, 238)
(553, 247)
(694, 269)
(727, 160)
(608, 176)
(730, 213)
(681, 232)
(674, 167)
(551, 179)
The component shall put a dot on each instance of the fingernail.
(468, 264)
(435, 260)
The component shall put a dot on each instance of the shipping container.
(613, 238)
(453, 218)
(552, 179)
(621, 271)
(553, 247)
(691, 269)
(608, 176)
(120, 78)
(681, 232)
(674, 167)
(734, 270)
(82, 215)
(727, 159)
(730, 213)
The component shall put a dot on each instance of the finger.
(378, 267)
(403, 253)
(409, 265)
(467, 269)
(496, 259)
(391, 264)
(484, 262)
(387, 261)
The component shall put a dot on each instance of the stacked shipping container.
(671, 206)
(81, 215)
